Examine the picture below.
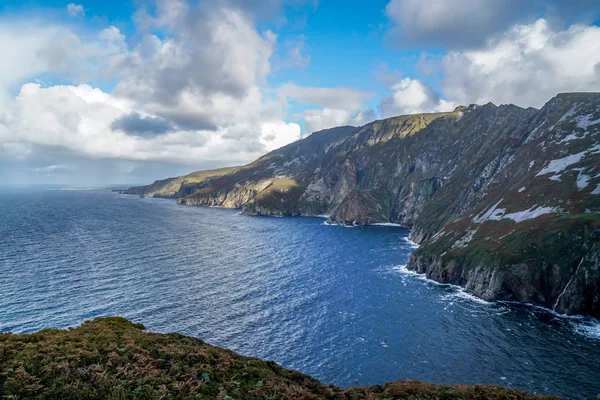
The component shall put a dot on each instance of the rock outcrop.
(505, 201)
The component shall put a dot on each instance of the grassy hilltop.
(112, 358)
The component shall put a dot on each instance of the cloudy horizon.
(102, 94)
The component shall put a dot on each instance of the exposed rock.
(363, 207)
(504, 201)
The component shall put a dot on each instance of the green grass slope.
(112, 358)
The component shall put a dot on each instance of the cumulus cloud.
(75, 10)
(138, 125)
(21, 43)
(194, 95)
(411, 96)
(338, 106)
(318, 119)
(527, 66)
(277, 134)
(457, 23)
(460, 24)
(82, 119)
(211, 66)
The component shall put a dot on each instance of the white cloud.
(277, 134)
(461, 24)
(208, 73)
(341, 106)
(316, 120)
(452, 22)
(20, 45)
(193, 96)
(411, 96)
(526, 66)
(75, 10)
(336, 97)
(80, 118)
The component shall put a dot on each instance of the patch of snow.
(521, 190)
(462, 242)
(493, 213)
(584, 121)
(582, 180)
(573, 136)
(533, 212)
(559, 165)
(496, 214)
(597, 190)
(569, 113)
(531, 164)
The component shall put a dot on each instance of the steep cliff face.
(524, 224)
(504, 201)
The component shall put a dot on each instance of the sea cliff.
(504, 201)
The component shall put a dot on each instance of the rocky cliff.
(504, 201)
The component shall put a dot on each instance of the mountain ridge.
(503, 200)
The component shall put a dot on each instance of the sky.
(98, 93)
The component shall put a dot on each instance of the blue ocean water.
(330, 301)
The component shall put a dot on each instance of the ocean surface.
(330, 301)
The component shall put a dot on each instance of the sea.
(330, 301)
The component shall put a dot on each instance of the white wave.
(327, 223)
(387, 224)
(548, 310)
(459, 292)
(411, 243)
(588, 329)
(405, 271)
(586, 326)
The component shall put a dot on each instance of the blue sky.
(345, 40)
(124, 92)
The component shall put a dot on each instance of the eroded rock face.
(363, 207)
(504, 201)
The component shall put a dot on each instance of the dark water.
(330, 301)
